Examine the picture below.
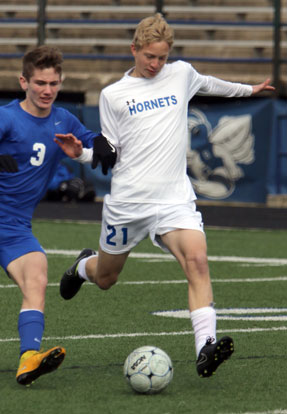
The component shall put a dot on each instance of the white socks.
(82, 267)
(204, 326)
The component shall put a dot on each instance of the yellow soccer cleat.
(33, 364)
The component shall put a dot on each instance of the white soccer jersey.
(146, 119)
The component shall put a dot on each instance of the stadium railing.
(207, 35)
(61, 31)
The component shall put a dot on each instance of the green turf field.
(100, 328)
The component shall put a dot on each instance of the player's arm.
(264, 86)
(71, 145)
(8, 163)
(103, 151)
(213, 86)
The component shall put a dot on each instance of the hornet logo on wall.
(215, 153)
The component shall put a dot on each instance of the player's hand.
(264, 86)
(8, 163)
(105, 153)
(71, 145)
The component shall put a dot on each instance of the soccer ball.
(148, 370)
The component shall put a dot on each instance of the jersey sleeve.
(81, 132)
(199, 84)
(218, 87)
(108, 119)
(4, 124)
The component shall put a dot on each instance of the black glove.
(8, 163)
(104, 152)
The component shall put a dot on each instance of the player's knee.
(37, 282)
(41, 280)
(197, 261)
(107, 282)
(34, 290)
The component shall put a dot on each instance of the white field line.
(233, 280)
(176, 282)
(147, 334)
(162, 256)
(280, 411)
(233, 314)
(248, 311)
(186, 315)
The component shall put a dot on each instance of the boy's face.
(41, 91)
(150, 59)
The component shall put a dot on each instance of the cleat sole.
(49, 364)
(213, 358)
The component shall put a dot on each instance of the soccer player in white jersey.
(144, 115)
(28, 160)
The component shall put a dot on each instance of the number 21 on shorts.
(113, 237)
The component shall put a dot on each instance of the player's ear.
(62, 78)
(133, 49)
(23, 83)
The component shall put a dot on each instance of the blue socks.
(31, 326)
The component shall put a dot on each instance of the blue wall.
(234, 149)
(237, 149)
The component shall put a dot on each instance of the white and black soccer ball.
(148, 370)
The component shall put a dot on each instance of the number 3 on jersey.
(39, 158)
(113, 234)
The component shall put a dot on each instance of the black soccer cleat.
(71, 282)
(212, 355)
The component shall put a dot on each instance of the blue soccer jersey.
(29, 140)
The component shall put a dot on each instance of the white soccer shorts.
(124, 225)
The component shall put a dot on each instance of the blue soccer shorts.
(16, 240)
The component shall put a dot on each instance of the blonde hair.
(153, 29)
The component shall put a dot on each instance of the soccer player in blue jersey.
(29, 156)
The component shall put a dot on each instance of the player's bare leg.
(30, 273)
(189, 247)
(100, 268)
(105, 269)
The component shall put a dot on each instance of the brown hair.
(41, 57)
(153, 29)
